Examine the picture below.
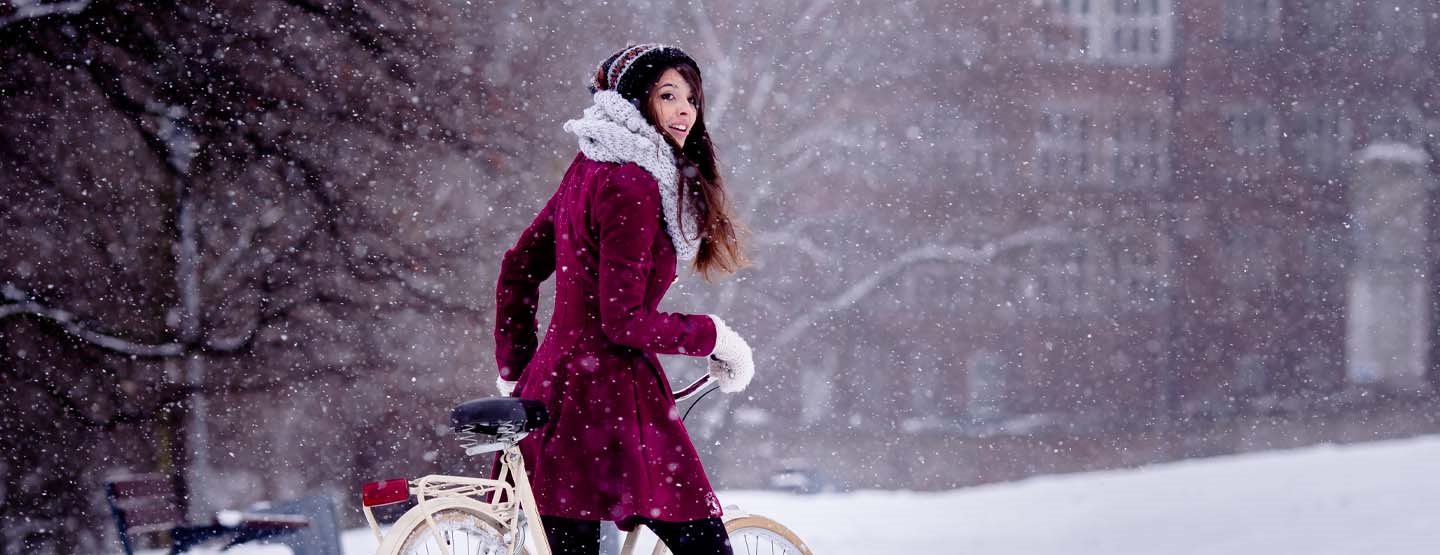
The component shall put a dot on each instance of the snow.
(1376, 498)
(1393, 152)
(229, 518)
(1367, 498)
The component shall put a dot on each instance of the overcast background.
(252, 245)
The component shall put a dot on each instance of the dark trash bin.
(322, 537)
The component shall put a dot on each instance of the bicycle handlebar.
(695, 388)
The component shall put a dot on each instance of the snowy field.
(1377, 498)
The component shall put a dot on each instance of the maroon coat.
(615, 448)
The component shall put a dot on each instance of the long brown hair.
(702, 190)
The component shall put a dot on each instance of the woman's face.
(674, 105)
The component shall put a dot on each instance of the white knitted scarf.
(613, 130)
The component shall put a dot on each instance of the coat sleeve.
(627, 213)
(517, 295)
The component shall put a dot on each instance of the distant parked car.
(796, 478)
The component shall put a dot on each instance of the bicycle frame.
(435, 491)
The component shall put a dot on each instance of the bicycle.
(456, 515)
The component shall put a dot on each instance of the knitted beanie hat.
(634, 67)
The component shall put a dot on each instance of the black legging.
(569, 536)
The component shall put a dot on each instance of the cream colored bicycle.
(458, 515)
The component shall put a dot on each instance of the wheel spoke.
(757, 535)
(464, 532)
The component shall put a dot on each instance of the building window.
(1251, 128)
(1140, 30)
(1078, 144)
(1325, 251)
(1137, 275)
(1119, 31)
(1251, 22)
(985, 386)
(1251, 375)
(1322, 139)
(1060, 283)
(973, 149)
(1141, 149)
(1327, 22)
(1062, 144)
(1068, 35)
(1397, 26)
(1074, 7)
(1251, 256)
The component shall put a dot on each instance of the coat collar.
(613, 130)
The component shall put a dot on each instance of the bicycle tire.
(479, 534)
(755, 535)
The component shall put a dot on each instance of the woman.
(642, 196)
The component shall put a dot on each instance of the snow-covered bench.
(146, 504)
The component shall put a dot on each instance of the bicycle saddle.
(499, 416)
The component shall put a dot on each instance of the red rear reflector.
(385, 492)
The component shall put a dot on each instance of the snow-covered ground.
(1381, 497)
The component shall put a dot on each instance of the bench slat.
(152, 516)
(270, 520)
(144, 485)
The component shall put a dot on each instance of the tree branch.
(25, 10)
(242, 342)
(1431, 145)
(18, 303)
(958, 254)
(345, 372)
(363, 28)
(70, 406)
(384, 270)
(723, 73)
(232, 254)
(791, 239)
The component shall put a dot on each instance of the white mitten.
(505, 386)
(731, 363)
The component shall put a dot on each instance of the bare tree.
(213, 202)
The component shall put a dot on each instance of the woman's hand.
(731, 363)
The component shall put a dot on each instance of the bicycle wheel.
(756, 535)
(464, 530)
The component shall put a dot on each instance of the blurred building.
(1248, 186)
(1250, 265)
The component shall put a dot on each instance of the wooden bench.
(146, 505)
